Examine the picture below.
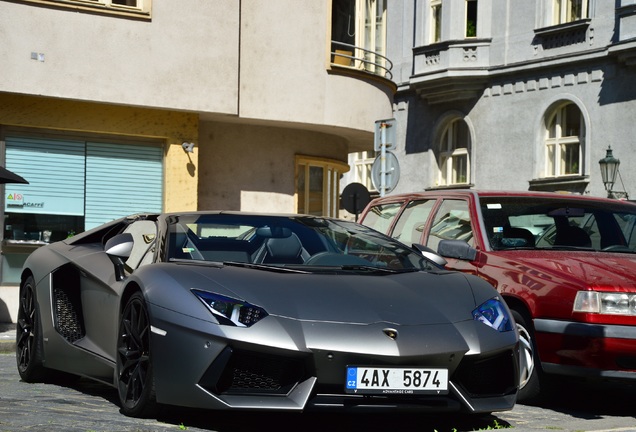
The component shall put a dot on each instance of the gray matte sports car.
(226, 310)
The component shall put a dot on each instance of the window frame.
(330, 193)
(466, 19)
(436, 21)
(363, 47)
(557, 147)
(142, 10)
(362, 164)
(450, 153)
(562, 9)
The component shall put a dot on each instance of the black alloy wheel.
(29, 349)
(134, 363)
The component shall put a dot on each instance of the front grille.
(244, 372)
(487, 376)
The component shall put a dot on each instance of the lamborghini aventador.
(228, 310)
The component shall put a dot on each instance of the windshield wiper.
(372, 269)
(273, 268)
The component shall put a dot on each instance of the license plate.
(386, 381)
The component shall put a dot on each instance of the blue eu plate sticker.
(352, 377)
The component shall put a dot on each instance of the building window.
(109, 6)
(471, 18)
(318, 185)
(358, 31)
(566, 11)
(362, 163)
(563, 155)
(454, 154)
(436, 20)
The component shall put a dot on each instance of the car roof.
(463, 193)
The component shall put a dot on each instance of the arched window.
(454, 154)
(564, 135)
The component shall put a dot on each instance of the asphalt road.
(87, 406)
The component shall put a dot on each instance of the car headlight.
(494, 314)
(611, 303)
(230, 311)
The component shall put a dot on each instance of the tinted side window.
(410, 225)
(452, 222)
(381, 216)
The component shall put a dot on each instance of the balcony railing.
(358, 58)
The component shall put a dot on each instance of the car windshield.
(302, 243)
(532, 222)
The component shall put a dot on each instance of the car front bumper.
(586, 350)
(289, 365)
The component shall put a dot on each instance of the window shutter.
(122, 179)
(55, 172)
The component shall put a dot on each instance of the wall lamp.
(188, 147)
(609, 170)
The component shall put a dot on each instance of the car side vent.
(67, 304)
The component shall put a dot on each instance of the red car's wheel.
(529, 373)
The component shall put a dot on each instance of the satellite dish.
(354, 198)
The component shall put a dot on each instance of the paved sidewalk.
(7, 338)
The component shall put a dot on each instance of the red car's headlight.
(610, 303)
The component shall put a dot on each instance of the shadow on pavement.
(589, 399)
(310, 421)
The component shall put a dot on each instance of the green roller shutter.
(122, 179)
(55, 171)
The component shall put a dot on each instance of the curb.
(7, 347)
(7, 338)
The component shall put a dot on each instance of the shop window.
(563, 154)
(454, 154)
(73, 186)
(318, 185)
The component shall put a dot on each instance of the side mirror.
(118, 249)
(430, 254)
(458, 249)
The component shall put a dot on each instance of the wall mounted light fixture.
(188, 147)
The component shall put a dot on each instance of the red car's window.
(380, 217)
(452, 222)
(411, 223)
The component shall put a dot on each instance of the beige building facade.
(111, 107)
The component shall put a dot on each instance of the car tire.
(529, 363)
(29, 345)
(135, 379)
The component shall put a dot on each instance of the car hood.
(587, 269)
(406, 299)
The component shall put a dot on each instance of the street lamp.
(609, 169)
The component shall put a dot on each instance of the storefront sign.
(14, 199)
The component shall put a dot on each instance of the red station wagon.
(566, 265)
